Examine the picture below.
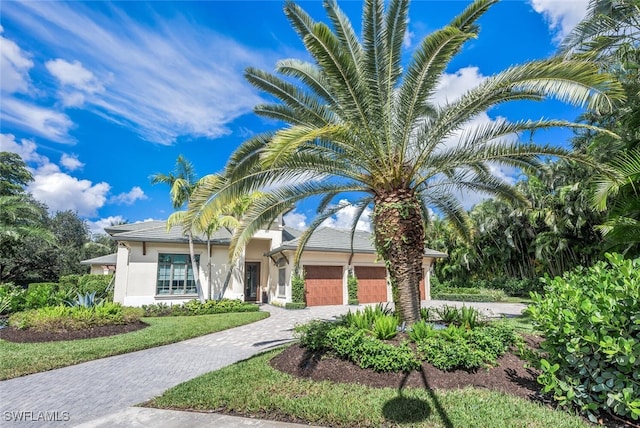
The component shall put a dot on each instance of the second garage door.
(323, 285)
(372, 284)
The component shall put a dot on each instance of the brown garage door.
(323, 285)
(372, 284)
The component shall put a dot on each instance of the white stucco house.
(152, 265)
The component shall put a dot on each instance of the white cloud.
(408, 37)
(128, 198)
(70, 162)
(343, 219)
(295, 219)
(99, 225)
(62, 192)
(77, 82)
(562, 16)
(453, 86)
(165, 80)
(25, 148)
(14, 67)
(42, 121)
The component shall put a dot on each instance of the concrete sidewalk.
(100, 393)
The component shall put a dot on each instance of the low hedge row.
(195, 307)
(467, 297)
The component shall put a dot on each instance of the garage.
(323, 285)
(372, 284)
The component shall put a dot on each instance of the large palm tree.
(360, 122)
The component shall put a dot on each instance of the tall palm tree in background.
(182, 181)
(363, 125)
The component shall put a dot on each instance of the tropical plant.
(87, 300)
(385, 327)
(359, 121)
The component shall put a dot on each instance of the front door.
(251, 281)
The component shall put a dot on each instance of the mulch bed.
(29, 336)
(509, 376)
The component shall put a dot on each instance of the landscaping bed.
(32, 336)
(508, 376)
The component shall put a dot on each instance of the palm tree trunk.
(399, 239)
(194, 267)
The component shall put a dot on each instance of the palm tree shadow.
(403, 409)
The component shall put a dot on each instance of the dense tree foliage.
(35, 246)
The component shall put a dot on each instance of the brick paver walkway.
(94, 389)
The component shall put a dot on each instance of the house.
(153, 265)
(103, 265)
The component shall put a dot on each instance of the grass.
(19, 359)
(516, 299)
(522, 324)
(253, 388)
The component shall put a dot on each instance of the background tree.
(359, 122)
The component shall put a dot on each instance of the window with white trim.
(175, 275)
(282, 282)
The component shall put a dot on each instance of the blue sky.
(97, 96)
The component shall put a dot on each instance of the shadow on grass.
(403, 409)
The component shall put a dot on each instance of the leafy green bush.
(368, 352)
(313, 335)
(195, 307)
(96, 283)
(42, 294)
(66, 318)
(12, 298)
(69, 282)
(297, 289)
(510, 286)
(385, 327)
(458, 348)
(590, 319)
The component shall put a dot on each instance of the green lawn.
(19, 359)
(252, 387)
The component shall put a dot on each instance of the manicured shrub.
(195, 307)
(69, 282)
(295, 305)
(66, 318)
(470, 294)
(590, 319)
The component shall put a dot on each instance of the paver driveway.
(95, 389)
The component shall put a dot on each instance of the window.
(282, 281)
(175, 275)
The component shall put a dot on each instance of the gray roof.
(323, 239)
(109, 259)
(156, 231)
(337, 240)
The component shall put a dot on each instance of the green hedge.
(194, 307)
(469, 295)
(295, 305)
